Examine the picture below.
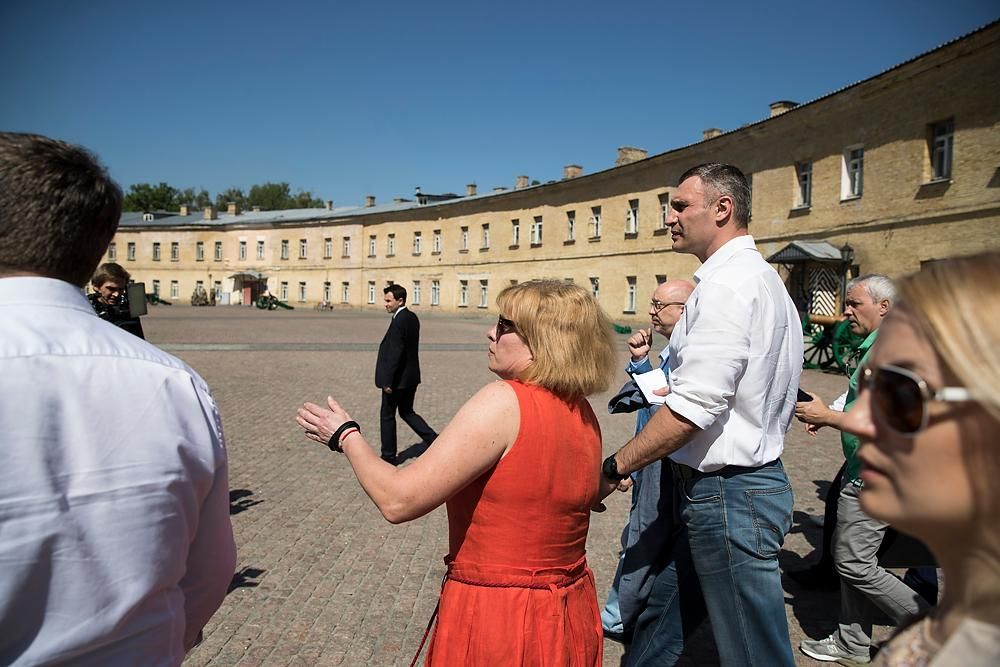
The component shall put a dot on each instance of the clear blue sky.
(347, 99)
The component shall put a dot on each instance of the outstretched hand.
(320, 423)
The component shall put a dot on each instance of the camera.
(125, 309)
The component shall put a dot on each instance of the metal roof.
(807, 251)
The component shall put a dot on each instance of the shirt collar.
(396, 312)
(868, 342)
(38, 291)
(723, 255)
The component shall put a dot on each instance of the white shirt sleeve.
(839, 403)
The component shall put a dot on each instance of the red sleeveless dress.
(518, 590)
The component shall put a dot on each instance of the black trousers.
(401, 400)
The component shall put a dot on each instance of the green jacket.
(850, 442)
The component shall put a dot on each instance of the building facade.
(903, 168)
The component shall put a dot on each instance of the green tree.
(147, 197)
(194, 200)
(271, 196)
(230, 195)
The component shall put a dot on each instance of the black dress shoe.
(816, 578)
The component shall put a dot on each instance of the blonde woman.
(929, 420)
(519, 469)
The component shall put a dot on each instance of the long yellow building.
(880, 176)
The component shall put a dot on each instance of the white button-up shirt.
(115, 540)
(735, 361)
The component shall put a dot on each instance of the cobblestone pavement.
(322, 579)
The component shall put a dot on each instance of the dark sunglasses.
(660, 305)
(902, 397)
(505, 326)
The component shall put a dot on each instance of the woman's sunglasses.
(505, 326)
(902, 397)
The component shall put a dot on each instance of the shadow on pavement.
(240, 501)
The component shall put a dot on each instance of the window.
(345, 246)
(283, 291)
(174, 289)
(217, 288)
(371, 291)
(243, 250)
(156, 252)
(345, 292)
(156, 287)
(435, 292)
(218, 251)
(664, 211)
(942, 138)
(130, 251)
(595, 222)
(465, 240)
(199, 251)
(260, 249)
(284, 248)
(571, 226)
(661, 278)
(463, 293)
(484, 294)
(632, 218)
(327, 247)
(536, 231)
(486, 237)
(437, 242)
(302, 292)
(112, 252)
(327, 296)
(804, 177)
(630, 294)
(418, 243)
(852, 182)
(371, 245)
(390, 245)
(595, 287)
(515, 233)
(175, 251)
(199, 285)
(415, 293)
(303, 248)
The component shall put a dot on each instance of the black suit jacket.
(398, 366)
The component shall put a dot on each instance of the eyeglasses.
(660, 305)
(902, 397)
(505, 326)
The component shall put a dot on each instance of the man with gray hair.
(865, 587)
(115, 540)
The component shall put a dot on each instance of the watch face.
(610, 469)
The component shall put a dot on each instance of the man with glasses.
(735, 362)
(650, 520)
(397, 373)
(865, 587)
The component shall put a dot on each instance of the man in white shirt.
(735, 359)
(115, 541)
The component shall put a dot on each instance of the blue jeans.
(734, 523)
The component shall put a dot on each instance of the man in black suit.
(397, 372)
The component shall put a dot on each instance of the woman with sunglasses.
(929, 417)
(519, 469)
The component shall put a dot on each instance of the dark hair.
(726, 180)
(59, 208)
(398, 292)
(110, 271)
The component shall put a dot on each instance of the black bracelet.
(334, 442)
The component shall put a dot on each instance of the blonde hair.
(569, 335)
(955, 303)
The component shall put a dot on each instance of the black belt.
(686, 472)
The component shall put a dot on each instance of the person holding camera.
(110, 297)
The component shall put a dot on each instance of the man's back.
(398, 364)
(115, 541)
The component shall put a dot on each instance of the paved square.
(324, 580)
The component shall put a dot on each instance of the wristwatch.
(610, 469)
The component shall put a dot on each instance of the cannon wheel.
(845, 346)
(818, 352)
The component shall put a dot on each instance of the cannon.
(271, 302)
(829, 343)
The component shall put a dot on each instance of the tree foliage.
(268, 196)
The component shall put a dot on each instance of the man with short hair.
(865, 587)
(397, 373)
(110, 297)
(116, 545)
(650, 522)
(735, 362)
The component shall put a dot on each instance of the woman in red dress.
(519, 469)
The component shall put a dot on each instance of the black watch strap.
(610, 469)
(334, 442)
